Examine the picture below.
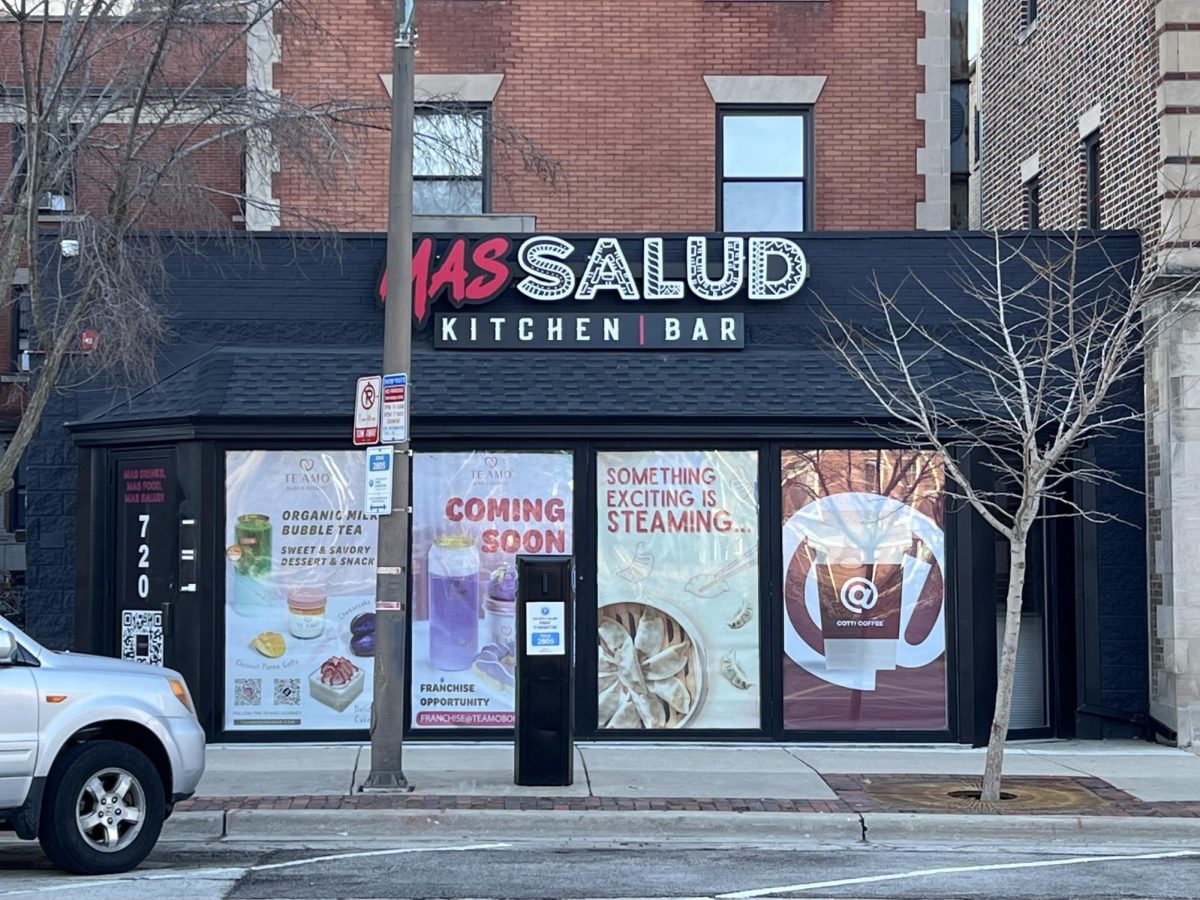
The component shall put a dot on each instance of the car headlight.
(179, 689)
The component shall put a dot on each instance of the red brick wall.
(615, 91)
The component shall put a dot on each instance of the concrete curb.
(950, 828)
(569, 826)
(194, 826)
(563, 825)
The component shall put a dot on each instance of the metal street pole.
(391, 580)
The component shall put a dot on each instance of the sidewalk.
(1062, 791)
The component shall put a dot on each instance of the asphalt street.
(499, 869)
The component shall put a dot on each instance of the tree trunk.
(1008, 666)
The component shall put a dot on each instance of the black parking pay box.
(544, 750)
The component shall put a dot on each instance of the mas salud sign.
(462, 273)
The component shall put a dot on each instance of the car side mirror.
(8, 648)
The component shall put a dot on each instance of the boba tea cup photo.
(453, 573)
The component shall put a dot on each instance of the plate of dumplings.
(650, 669)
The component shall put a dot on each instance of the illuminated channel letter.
(549, 277)
(656, 287)
(730, 281)
(607, 269)
(795, 273)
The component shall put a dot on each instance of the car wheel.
(103, 809)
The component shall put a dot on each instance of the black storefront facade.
(753, 560)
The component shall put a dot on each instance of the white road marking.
(948, 870)
(234, 872)
(365, 853)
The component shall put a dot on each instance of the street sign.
(377, 500)
(368, 398)
(395, 409)
(545, 629)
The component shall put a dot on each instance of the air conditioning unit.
(51, 202)
(960, 99)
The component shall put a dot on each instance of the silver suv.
(94, 753)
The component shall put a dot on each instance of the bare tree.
(133, 119)
(1037, 354)
(128, 117)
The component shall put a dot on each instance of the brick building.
(725, 128)
(1088, 115)
(627, 115)
(627, 97)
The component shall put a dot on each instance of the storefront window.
(864, 606)
(299, 590)
(677, 588)
(473, 514)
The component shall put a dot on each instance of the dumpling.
(668, 662)
(606, 663)
(608, 701)
(651, 711)
(613, 634)
(650, 633)
(675, 692)
(628, 668)
(626, 715)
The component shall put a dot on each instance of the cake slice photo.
(336, 683)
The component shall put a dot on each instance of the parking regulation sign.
(368, 400)
(545, 629)
(378, 496)
(394, 429)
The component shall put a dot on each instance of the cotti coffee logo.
(475, 271)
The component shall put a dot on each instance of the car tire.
(94, 791)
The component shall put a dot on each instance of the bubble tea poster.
(473, 514)
(864, 590)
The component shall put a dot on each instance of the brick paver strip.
(853, 796)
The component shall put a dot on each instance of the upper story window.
(21, 329)
(1091, 153)
(764, 169)
(57, 194)
(1031, 11)
(1033, 203)
(451, 161)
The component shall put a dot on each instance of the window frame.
(18, 298)
(70, 187)
(1033, 203)
(485, 175)
(805, 112)
(1029, 12)
(1092, 162)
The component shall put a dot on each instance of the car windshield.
(22, 638)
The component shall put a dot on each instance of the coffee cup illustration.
(865, 562)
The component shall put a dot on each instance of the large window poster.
(299, 590)
(863, 573)
(473, 514)
(677, 588)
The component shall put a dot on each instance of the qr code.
(287, 691)
(247, 692)
(142, 636)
